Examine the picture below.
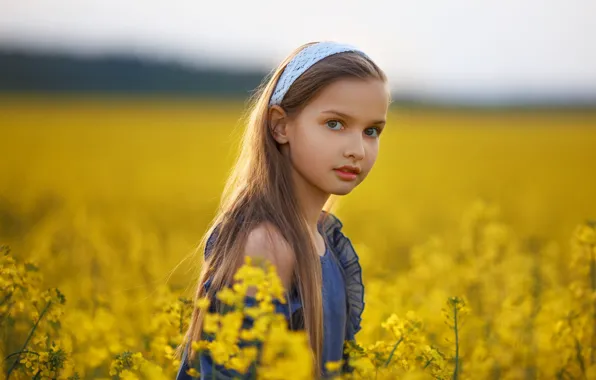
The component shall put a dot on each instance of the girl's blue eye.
(375, 131)
(333, 124)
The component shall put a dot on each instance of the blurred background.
(120, 120)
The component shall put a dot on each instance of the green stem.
(428, 363)
(6, 300)
(456, 369)
(45, 309)
(8, 296)
(253, 375)
(181, 320)
(393, 351)
(580, 359)
(21, 352)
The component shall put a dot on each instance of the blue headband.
(302, 61)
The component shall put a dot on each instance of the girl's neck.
(311, 201)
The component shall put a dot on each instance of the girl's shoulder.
(264, 238)
(266, 241)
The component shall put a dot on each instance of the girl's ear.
(278, 122)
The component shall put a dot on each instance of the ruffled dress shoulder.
(349, 262)
(341, 247)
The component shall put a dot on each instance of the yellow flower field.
(474, 233)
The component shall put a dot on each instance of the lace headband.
(302, 61)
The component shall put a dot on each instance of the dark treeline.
(35, 72)
(32, 72)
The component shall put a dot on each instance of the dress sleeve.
(349, 262)
(351, 269)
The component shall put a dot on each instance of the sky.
(470, 49)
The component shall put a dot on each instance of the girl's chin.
(343, 190)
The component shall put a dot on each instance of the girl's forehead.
(353, 96)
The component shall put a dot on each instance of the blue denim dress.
(343, 303)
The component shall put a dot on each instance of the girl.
(313, 132)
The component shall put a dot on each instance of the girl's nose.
(355, 147)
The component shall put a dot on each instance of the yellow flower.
(253, 312)
(211, 325)
(244, 359)
(128, 375)
(333, 366)
(220, 352)
(275, 286)
(249, 275)
(240, 288)
(266, 307)
(200, 345)
(203, 303)
(586, 234)
(193, 373)
(230, 297)
(231, 324)
(285, 352)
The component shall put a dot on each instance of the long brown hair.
(260, 189)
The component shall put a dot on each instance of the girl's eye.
(334, 124)
(372, 132)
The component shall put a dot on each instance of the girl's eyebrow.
(348, 117)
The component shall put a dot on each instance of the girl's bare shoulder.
(266, 241)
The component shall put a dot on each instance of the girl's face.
(340, 127)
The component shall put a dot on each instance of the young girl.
(313, 132)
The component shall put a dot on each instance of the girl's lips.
(346, 175)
